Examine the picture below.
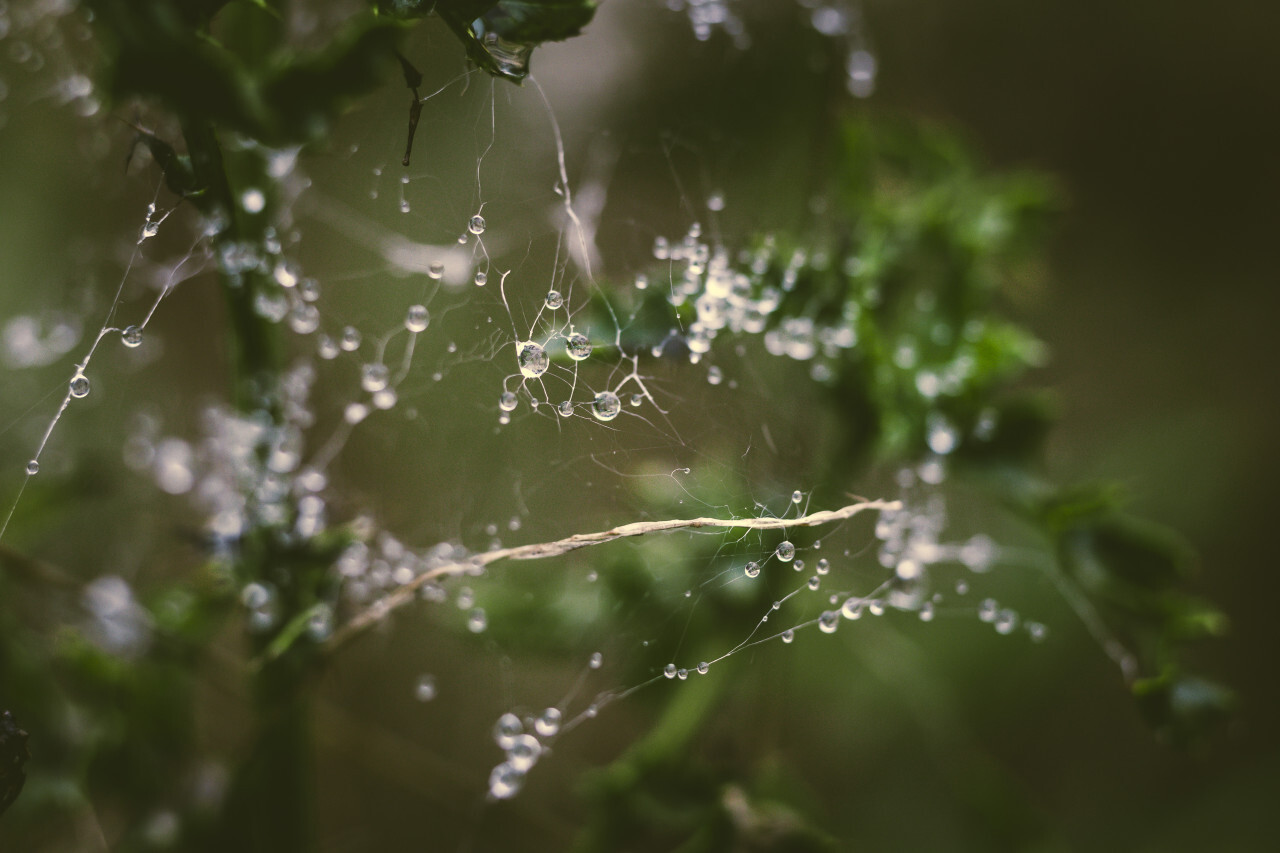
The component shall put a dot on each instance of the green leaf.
(1183, 708)
(500, 37)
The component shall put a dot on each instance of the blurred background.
(1155, 293)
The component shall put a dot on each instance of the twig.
(404, 593)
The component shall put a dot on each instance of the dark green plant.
(911, 262)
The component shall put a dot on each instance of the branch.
(403, 594)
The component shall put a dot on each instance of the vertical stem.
(270, 806)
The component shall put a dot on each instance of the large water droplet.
(548, 723)
(606, 406)
(417, 318)
(785, 551)
(532, 359)
(578, 346)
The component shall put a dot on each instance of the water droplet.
(978, 553)
(987, 610)
(875, 607)
(797, 496)
(861, 68)
(505, 781)
(350, 341)
(255, 596)
(703, 667)
(354, 413)
(823, 566)
(482, 278)
(606, 406)
(253, 201)
(751, 569)
(636, 400)
(715, 202)
(417, 318)
(532, 359)
(682, 674)
(669, 670)
(798, 565)
(374, 376)
(507, 401)
(828, 621)
(476, 225)
(926, 612)
(943, 436)
(435, 270)
(131, 337)
(554, 300)
(565, 409)
(578, 346)
(814, 582)
(1036, 631)
(785, 551)
(33, 467)
(788, 636)
(477, 621)
(714, 375)
(642, 281)
(79, 386)
(506, 730)
(549, 723)
(962, 587)
(1006, 620)
(426, 689)
(596, 661)
(852, 608)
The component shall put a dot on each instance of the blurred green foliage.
(919, 249)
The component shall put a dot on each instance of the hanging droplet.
(797, 496)
(374, 376)
(751, 569)
(33, 467)
(477, 621)
(823, 566)
(669, 670)
(505, 781)
(703, 668)
(131, 337)
(828, 621)
(482, 278)
(506, 730)
(524, 751)
(417, 318)
(435, 270)
(554, 300)
(350, 341)
(507, 401)
(636, 400)
(606, 406)
(788, 636)
(476, 225)
(426, 688)
(532, 359)
(785, 551)
(596, 661)
(548, 723)
(814, 582)
(565, 409)
(852, 608)
(79, 386)
(578, 346)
